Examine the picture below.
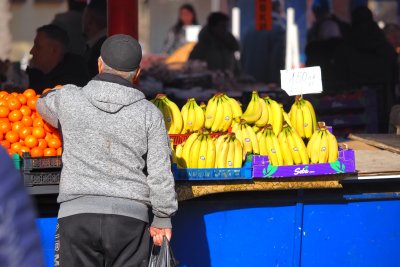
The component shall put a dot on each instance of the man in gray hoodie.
(116, 165)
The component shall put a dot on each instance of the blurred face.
(44, 53)
(186, 16)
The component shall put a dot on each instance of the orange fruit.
(16, 146)
(31, 141)
(22, 99)
(13, 103)
(31, 102)
(24, 132)
(23, 150)
(38, 122)
(36, 152)
(15, 115)
(16, 126)
(48, 152)
(29, 93)
(48, 137)
(14, 93)
(3, 93)
(27, 121)
(42, 143)
(54, 143)
(59, 151)
(12, 136)
(25, 110)
(5, 144)
(4, 111)
(38, 132)
(5, 127)
(3, 102)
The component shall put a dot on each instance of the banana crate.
(180, 138)
(213, 174)
(344, 164)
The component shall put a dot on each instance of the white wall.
(26, 18)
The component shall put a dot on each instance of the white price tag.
(302, 81)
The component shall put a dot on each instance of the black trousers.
(101, 240)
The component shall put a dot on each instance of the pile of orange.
(23, 130)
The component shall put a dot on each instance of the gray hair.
(126, 75)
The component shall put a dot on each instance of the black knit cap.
(121, 52)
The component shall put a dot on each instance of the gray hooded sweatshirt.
(111, 135)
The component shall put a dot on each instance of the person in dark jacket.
(95, 31)
(19, 238)
(216, 45)
(51, 65)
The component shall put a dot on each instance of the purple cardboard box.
(345, 164)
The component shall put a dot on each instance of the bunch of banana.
(220, 112)
(276, 114)
(302, 117)
(171, 113)
(256, 112)
(323, 146)
(198, 151)
(285, 116)
(293, 148)
(269, 146)
(230, 153)
(247, 137)
(193, 116)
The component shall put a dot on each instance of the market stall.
(266, 209)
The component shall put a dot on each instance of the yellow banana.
(195, 152)
(219, 116)
(307, 120)
(168, 117)
(203, 152)
(221, 161)
(238, 158)
(311, 141)
(178, 153)
(316, 148)
(263, 144)
(277, 117)
(332, 147)
(228, 117)
(176, 116)
(211, 111)
(237, 129)
(253, 110)
(246, 139)
(294, 150)
(199, 114)
(253, 139)
(211, 153)
(313, 116)
(236, 109)
(302, 147)
(263, 120)
(277, 148)
(299, 126)
(293, 115)
(187, 149)
(323, 153)
(287, 155)
(231, 154)
(273, 159)
(285, 116)
(185, 113)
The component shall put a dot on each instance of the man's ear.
(100, 65)
(136, 77)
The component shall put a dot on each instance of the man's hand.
(158, 233)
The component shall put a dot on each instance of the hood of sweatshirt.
(110, 93)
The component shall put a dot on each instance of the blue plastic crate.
(206, 174)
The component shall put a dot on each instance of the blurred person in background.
(263, 52)
(176, 35)
(95, 31)
(51, 64)
(392, 33)
(216, 45)
(322, 12)
(19, 237)
(71, 22)
(366, 58)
